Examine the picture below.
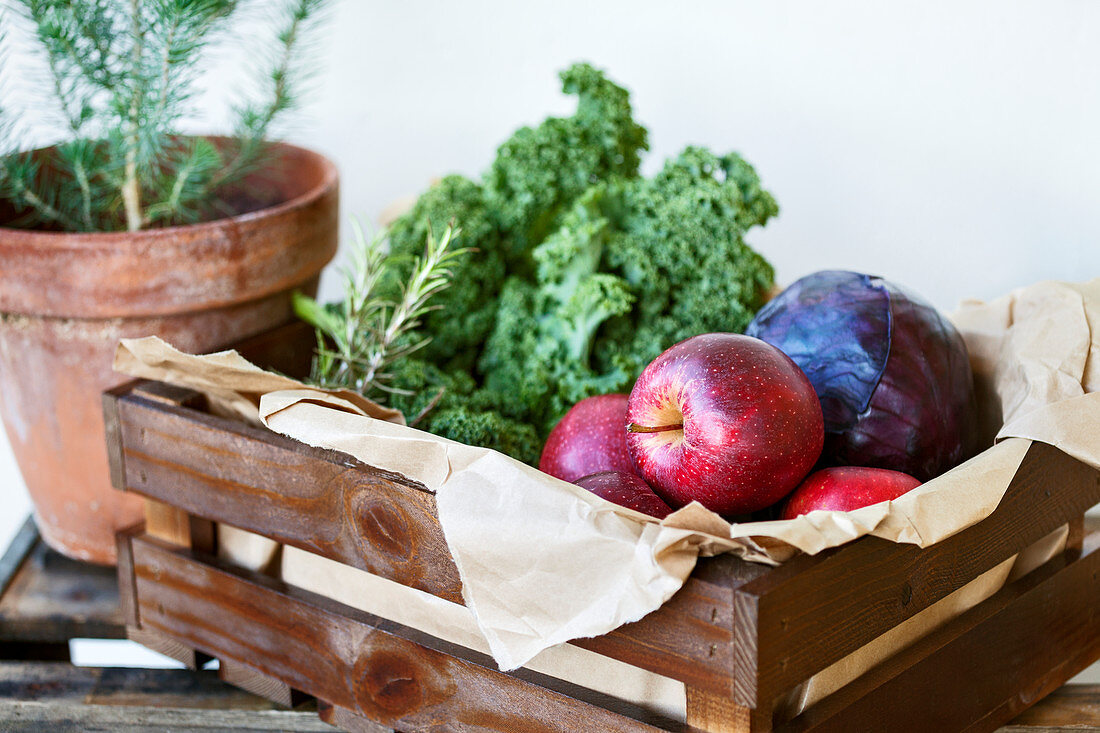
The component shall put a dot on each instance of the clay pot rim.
(180, 269)
(44, 238)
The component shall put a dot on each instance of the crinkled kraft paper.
(543, 561)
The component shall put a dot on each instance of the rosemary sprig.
(359, 338)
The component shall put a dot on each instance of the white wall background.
(953, 147)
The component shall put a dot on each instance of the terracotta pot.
(66, 299)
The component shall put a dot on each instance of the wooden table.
(47, 600)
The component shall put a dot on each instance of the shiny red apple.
(844, 488)
(590, 438)
(626, 489)
(726, 420)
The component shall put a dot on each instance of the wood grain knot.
(380, 527)
(389, 682)
(393, 680)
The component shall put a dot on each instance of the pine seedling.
(121, 74)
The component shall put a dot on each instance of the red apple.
(844, 488)
(726, 420)
(626, 489)
(590, 438)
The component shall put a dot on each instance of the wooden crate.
(738, 635)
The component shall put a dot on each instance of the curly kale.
(464, 312)
(488, 429)
(636, 266)
(540, 171)
(582, 272)
(447, 404)
(537, 174)
(679, 241)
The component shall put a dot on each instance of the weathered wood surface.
(360, 663)
(245, 677)
(48, 598)
(975, 673)
(805, 615)
(61, 698)
(985, 667)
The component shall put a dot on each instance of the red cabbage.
(892, 374)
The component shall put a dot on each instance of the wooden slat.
(318, 500)
(720, 714)
(812, 611)
(127, 591)
(985, 667)
(1075, 537)
(169, 394)
(58, 697)
(52, 599)
(182, 652)
(245, 677)
(335, 506)
(689, 638)
(358, 662)
(115, 464)
(346, 720)
(168, 523)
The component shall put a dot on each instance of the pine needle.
(119, 75)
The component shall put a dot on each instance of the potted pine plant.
(126, 227)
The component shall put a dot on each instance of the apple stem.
(636, 428)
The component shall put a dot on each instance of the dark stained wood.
(739, 635)
(689, 638)
(61, 698)
(115, 463)
(169, 394)
(1076, 536)
(203, 534)
(245, 677)
(127, 591)
(52, 599)
(369, 666)
(346, 720)
(183, 653)
(333, 505)
(812, 611)
(176, 688)
(985, 667)
(318, 500)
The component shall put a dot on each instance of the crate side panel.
(370, 666)
(986, 666)
(331, 504)
(816, 610)
(289, 492)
